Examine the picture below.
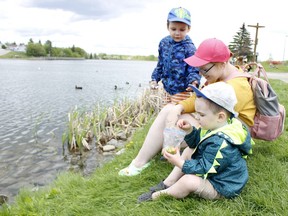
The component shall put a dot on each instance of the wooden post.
(256, 40)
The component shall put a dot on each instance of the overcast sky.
(135, 27)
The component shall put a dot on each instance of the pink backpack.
(270, 114)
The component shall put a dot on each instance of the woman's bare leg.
(154, 139)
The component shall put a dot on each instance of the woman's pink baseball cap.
(210, 50)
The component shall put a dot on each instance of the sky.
(135, 27)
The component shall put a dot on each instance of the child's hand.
(194, 83)
(153, 84)
(184, 124)
(174, 159)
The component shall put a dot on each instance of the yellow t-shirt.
(245, 106)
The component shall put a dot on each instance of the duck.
(78, 87)
(117, 88)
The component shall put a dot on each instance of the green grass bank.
(105, 193)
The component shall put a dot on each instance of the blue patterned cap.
(179, 15)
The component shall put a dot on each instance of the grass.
(278, 68)
(14, 55)
(105, 193)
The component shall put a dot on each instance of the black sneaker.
(145, 197)
(158, 187)
(148, 195)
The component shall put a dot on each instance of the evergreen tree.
(241, 45)
(48, 47)
(73, 48)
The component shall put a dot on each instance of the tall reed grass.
(105, 123)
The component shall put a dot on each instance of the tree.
(35, 50)
(80, 52)
(73, 48)
(241, 45)
(67, 52)
(48, 47)
(56, 52)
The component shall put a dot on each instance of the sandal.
(131, 170)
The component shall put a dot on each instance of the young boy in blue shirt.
(174, 73)
(171, 69)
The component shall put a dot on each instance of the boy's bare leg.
(187, 184)
(190, 183)
(177, 173)
(181, 185)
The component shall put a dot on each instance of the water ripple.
(34, 107)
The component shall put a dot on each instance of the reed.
(105, 123)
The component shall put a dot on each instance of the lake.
(36, 97)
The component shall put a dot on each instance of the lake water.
(36, 97)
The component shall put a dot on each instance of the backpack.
(270, 115)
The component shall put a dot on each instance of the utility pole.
(284, 48)
(256, 40)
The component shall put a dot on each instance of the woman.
(212, 59)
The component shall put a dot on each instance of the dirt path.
(3, 51)
(280, 76)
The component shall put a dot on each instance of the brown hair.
(176, 21)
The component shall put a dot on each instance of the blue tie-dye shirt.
(171, 69)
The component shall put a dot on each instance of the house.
(21, 48)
